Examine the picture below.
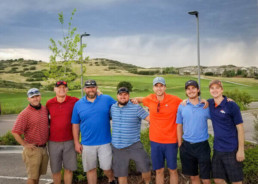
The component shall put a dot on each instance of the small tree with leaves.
(65, 52)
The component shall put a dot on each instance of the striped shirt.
(33, 124)
(126, 124)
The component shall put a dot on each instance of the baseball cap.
(191, 83)
(122, 90)
(159, 80)
(90, 83)
(33, 92)
(216, 82)
(61, 82)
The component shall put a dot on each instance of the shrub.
(32, 68)
(8, 139)
(126, 84)
(241, 98)
(251, 166)
(112, 67)
(209, 74)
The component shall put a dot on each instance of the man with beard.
(32, 122)
(163, 129)
(192, 127)
(91, 117)
(61, 144)
(126, 144)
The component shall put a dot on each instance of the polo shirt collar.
(222, 104)
(199, 103)
(224, 101)
(66, 98)
(156, 99)
(129, 103)
(86, 100)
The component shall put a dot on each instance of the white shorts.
(90, 154)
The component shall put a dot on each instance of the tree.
(64, 52)
(126, 84)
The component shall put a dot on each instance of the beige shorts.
(36, 161)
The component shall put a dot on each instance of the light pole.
(82, 35)
(196, 13)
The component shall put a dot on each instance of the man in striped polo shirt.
(32, 122)
(126, 145)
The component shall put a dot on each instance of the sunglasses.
(61, 82)
(158, 107)
(34, 93)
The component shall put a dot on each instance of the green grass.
(14, 100)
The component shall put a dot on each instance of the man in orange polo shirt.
(163, 129)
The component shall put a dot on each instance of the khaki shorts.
(36, 161)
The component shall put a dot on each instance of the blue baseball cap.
(160, 80)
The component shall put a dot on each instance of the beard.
(122, 103)
(91, 95)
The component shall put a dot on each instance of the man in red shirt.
(61, 145)
(163, 129)
(32, 122)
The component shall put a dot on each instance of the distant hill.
(21, 73)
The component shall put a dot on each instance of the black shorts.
(121, 158)
(225, 166)
(194, 156)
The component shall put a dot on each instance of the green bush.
(251, 166)
(8, 139)
(209, 74)
(126, 84)
(241, 98)
(32, 68)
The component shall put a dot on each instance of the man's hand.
(30, 146)
(134, 100)
(78, 148)
(183, 102)
(99, 92)
(240, 156)
(230, 100)
(206, 103)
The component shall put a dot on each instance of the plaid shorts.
(225, 166)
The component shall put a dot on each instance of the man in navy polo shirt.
(126, 131)
(228, 136)
(192, 127)
(91, 117)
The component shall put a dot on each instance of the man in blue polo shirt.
(192, 127)
(228, 136)
(91, 117)
(126, 144)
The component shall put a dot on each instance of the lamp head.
(194, 13)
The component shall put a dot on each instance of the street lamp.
(82, 35)
(196, 13)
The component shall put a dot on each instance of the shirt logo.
(222, 111)
(166, 105)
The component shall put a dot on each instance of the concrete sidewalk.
(12, 168)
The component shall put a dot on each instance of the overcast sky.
(146, 33)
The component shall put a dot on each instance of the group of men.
(173, 123)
